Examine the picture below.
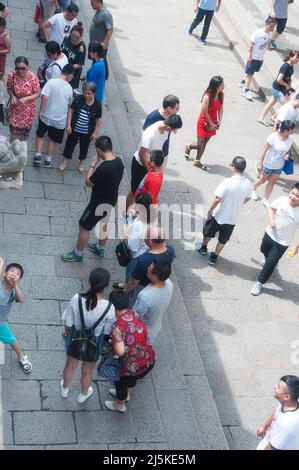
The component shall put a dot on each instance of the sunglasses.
(21, 68)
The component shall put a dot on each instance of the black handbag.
(123, 253)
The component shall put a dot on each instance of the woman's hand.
(23, 100)
(69, 129)
(213, 126)
(14, 99)
(93, 137)
(261, 432)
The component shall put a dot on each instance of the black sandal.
(117, 286)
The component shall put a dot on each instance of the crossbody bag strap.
(102, 317)
(81, 311)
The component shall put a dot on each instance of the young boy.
(152, 182)
(10, 292)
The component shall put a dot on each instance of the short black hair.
(292, 381)
(239, 163)
(97, 48)
(157, 157)
(270, 20)
(296, 186)
(162, 269)
(170, 101)
(68, 69)
(119, 299)
(174, 121)
(73, 7)
(2, 22)
(15, 265)
(52, 47)
(286, 126)
(104, 143)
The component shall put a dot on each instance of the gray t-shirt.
(101, 22)
(151, 304)
(6, 301)
(60, 95)
(281, 8)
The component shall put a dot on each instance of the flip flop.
(263, 122)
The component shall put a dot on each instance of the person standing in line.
(53, 65)
(56, 99)
(60, 24)
(259, 43)
(98, 72)
(153, 301)
(101, 28)
(280, 12)
(288, 112)
(231, 194)
(73, 47)
(104, 177)
(48, 8)
(282, 86)
(283, 216)
(281, 430)
(209, 120)
(204, 9)
(272, 159)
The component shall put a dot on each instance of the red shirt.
(139, 353)
(151, 184)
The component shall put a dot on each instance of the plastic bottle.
(290, 253)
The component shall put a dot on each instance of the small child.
(152, 182)
(10, 292)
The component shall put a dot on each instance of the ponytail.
(99, 279)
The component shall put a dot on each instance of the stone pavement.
(216, 336)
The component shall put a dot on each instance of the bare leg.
(267, 108)
(102, 241)
(17, 349)
(247, 84)
(270, 185)
(69, 370)
(201, 146)
(51, 147)
(86, 376)
(130, 200)
(219, 248)
(262, 179)
(39, 144)
(83, 238)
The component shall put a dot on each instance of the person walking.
(60, 24)
(83, 125)
(279, 10)
(231, 194)
(101, 28)
(104, 177)
(282, 86)
(131, 343)
(56, 99)
(272, 159)
(283, 215)
(98, 72)
(209, 120)
(73, 47)
(204, 9)
(23, 89)
(288, 112)
(281, 430)
(94, 306)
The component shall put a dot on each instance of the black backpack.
(83, 345)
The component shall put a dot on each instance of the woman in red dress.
(209, 119)
(23, 89)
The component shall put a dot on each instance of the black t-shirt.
(106, 179)
(287, 71)
(2, 7)
(144, 261)
(85, 123)
(76, 55)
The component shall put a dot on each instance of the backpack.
(43, 80)
(83, 345)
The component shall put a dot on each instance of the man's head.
(155, 237)
(173, 123)
(13, 273)
(71, 12)
(103, 146)
(53, 50)
(96, 4)
(171, 105)
(68, 72)
(238, 165)
(287, 389)
(156, 158)
(120, 300)
(159, 270)
(270, 24)
(294, 195)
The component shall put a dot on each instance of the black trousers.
(130, 381)
(273, 251)
(71, 142)
(203, 14)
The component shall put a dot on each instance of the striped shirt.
(82, 123)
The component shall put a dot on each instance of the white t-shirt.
(287, 220)
(287, 113)
(60, 27)
(278, 148)
(60, 94)
(151, 139)
(53, 70)
(283, 434)
(71, 316)
(232, 192)
(260, 40)
(136, 237)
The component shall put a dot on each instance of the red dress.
(214, 115)
(22, 114)
(139, 353)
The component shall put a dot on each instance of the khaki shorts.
(48, 9)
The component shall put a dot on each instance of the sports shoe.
(256, 289)
(273, 44)
(213, 259)
(242, 84)
(187, 151)
(94, 249)
(247, 94)
(48, 163)
(82, 398)
(265, 203)
(263, 261)
(71, 256)
(37, 159)
(112, 392)
(63, 391)
(25, 364)
(257, 171)
(203, 250)
(113, 406)
(202, 42)
(254, 195)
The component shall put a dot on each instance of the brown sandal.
(198, 164)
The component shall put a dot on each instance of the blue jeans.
(203, 14)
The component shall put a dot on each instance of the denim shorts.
(269, 171)
(253, 66)
(277, 94)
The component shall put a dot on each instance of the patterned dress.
(22, 114)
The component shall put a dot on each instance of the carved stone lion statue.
(13, 158)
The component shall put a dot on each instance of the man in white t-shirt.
(230, 196)
(56, 99)
(288, 112)
(281, 430)
(61, 24)
(259, 43)
(284, 219)
(153, 138)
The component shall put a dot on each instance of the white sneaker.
(63, 391)
(112, 392)
(256, 289)
(25, 364)
(82, 398)
(265, 203)
(263, 261)
(254, 195)
(242, 84)
(248, 95)
(113, 406)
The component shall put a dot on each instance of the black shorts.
(54, 134)
(88, 219)
(138, 172)
(253, 66)
(281, 24)
(212, 227)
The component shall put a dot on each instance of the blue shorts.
(269, 171)
(277, 94)
(6, 335)
(253, 66)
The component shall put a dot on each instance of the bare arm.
(107, 38)
(263, 428)
(69, 120)
(271, 216)
(262, 156)
(8, 47)
(97, 128)
(5, 12)
(214, 204)
(144, 157)
(294, 249)
(43, 103)
(249, 58)
(1, 265)
(44, 28)
(19, 295)
(29, 98)
(280, 80)
(218, 5)
(205, 111)
(272, 3)
(119, 348)
(91, 171)
(132, 283)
